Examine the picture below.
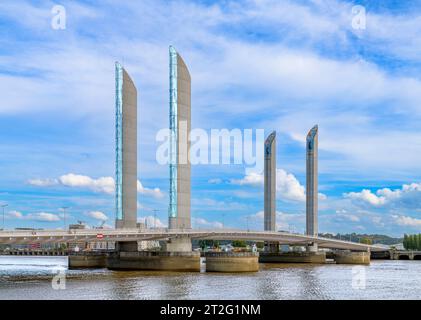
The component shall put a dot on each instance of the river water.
(32, 278)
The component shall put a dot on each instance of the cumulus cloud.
(287, 185)
(42, 217)
(408, 196)
(102, 184)
(200, 222)
(155, 192)
(97, 215)
(251, 179)
(407, 221)
(151, 222)
(366, 196)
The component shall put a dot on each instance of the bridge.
(132, 235)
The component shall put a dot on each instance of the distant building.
(78, 226)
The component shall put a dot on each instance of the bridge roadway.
(123, 235)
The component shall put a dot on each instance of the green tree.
(239, 244)
(405, 241)
(366, 240)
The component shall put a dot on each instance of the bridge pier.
(293, 257)
(176, 256)
(349, 257)
(154, 260)
(232, 261)
(311, 255)
(87, 260)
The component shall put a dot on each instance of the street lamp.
(3, 206)
(64, 216)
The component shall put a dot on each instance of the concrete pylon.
(312, 182)
(270, 183)
(126, 149)
(180, 126)
(270, 190)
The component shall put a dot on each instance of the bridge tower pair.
(311, 184)
(179, 158)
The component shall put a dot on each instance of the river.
(32, 278)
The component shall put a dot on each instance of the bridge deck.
(122, 235)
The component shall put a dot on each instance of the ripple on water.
(384, 280)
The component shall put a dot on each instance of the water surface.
(31, 278)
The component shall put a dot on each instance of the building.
(180, 126)
(270, 183)
(126, 149)
(312, 182)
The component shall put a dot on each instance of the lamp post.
(3, 206)
(154, 217)
(64, 216)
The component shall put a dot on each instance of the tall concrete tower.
(270, 182)
(180, 126)
(312, 182)
(126, 149)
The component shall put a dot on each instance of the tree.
(366, 240)
(405, 241)
(239, 244)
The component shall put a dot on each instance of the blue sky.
(272, 65)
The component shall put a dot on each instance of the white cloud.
(98, 215)
(215, 181)
(14, 214)
(287, 185)
(200, 222)
(42, 217)
(155, 192)
(151, 222)
(42, 182)
(407, 221)
(103, 184)
(366, 196)
(252, 179)
(409, 196)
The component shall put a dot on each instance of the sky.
(255, 64)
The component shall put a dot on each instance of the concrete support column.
(313, 247)
(270, 183)
(179, 244)
(312, 182)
